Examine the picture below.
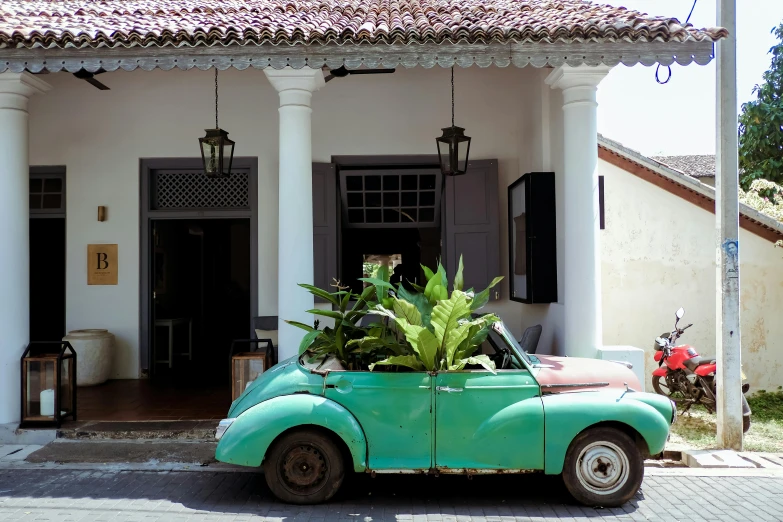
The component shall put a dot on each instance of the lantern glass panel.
(211, 152)
(228, 156)
(463, 149)
(444, 155)
(40, 388)
(66, 389)
(246, 369)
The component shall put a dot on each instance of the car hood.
(576, 370)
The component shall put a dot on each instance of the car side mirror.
(679, 313)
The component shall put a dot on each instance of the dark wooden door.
(324, 224)
(47, 279)
(471, 225)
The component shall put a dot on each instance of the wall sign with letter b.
(101, 264)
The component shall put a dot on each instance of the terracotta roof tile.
(696, 166)
(129, 23)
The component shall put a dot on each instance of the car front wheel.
(603, 467)
(304, 467)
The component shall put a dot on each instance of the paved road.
(135, 496)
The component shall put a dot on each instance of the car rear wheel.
(603, 467)
(304, 467)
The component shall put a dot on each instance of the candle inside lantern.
(47, 403)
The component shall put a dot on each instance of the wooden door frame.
(146, 216)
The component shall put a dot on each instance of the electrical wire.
(668, 67)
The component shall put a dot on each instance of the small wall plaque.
(101, 264)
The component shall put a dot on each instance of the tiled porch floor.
(144, 400)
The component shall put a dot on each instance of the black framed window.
(396, 198)
(47, 191)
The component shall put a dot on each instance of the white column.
(728, 336)
(15, 91)
(582, 278)
(295, 226)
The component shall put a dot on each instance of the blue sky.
(679, 118)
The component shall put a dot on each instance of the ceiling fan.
(90, 78)
(342, 72)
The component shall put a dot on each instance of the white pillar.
(729, 375)
(15, 91)
(295, 226)
(582, 278)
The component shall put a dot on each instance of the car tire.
(304, 467)
(603, 467)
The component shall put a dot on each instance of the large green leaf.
(459, 280)
(321, 293)
(409, 361)
(408, 311)
(305, 327)
(307, 340)
(377, 282)
(482, 298)
(371, 344)
(337, 316)
(446, 317)
(428, 274)
(344, 302)
(423, 342)
(479, 360)
(420, 301)
(444, 278)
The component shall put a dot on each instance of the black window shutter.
(471, 225)
(324, 225)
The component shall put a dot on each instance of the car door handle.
(447, 389)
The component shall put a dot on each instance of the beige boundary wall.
(658, 254)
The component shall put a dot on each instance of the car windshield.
(500, 334)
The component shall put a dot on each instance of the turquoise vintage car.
(310, 422)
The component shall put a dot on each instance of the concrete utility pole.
(727, 226)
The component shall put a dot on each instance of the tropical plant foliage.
(766, 197)
(761, 125)
(429, 328)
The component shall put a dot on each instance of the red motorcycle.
(686, 377)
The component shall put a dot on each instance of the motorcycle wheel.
(661, 387)
(745, 423)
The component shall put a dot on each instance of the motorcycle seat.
(697, 361)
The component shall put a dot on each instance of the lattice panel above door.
(179, 189)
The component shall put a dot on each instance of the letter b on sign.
(102, 264)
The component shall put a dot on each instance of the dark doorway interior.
(47, 279)
(201, 277)
(414, 246)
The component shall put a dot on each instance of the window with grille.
(47, 190)
(181, 189)
(390, 198)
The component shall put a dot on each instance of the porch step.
(65, 451)
(764, 460)
(203, 430)
(715, 459)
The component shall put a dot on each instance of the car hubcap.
(602, 468)
(304, 469)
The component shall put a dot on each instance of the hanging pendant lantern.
(453, 146)
(217, 151)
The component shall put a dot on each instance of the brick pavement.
(147, 496)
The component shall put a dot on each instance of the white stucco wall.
(658, 253)
(101, 135)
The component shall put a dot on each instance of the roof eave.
(686, 181)
(352, 56)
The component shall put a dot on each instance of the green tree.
(761, 125)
